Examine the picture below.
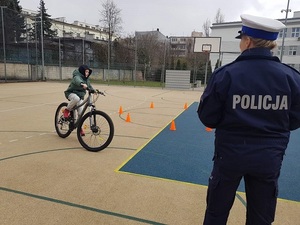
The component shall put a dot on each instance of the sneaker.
(82, 132)
(66, 113)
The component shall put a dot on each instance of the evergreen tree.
(184, 66)
(46, 23)
(172, 64)
(209, 70)
(14, 24)
(218, 64)
(201, 72)
(178, 65)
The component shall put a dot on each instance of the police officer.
(253, 103)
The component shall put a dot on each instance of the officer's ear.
(248, 42)
(245, 43)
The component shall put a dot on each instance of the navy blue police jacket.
(256, 96)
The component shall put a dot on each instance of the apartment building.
(230, 46)
(76, 29)
(181, 46)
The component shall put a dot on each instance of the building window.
(281, 33)
(279, 50)
(174, 39)
(293, 50)
(296, 32)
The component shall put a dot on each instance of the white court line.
(27, 107)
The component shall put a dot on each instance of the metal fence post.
(3, 36)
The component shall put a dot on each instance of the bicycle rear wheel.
(63, 126)
(98, 129)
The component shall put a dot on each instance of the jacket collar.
(257, 53)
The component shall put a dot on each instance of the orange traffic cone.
(128, 118)
(173, 127)
(208, 129)
(120, 110)
(185, 106)
(151, 105)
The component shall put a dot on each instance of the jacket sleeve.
(212, 101)
(77, 79)
(89, 85)
(294, 114)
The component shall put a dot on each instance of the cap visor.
(239, 36)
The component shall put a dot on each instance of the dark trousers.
(261, 186)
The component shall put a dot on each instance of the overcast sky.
(172, 17)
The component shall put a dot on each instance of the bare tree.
(219, 18)
(111, 19)
(206, 27)
(150, 51)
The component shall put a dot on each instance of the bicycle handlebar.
(100, 92)
(95, 91)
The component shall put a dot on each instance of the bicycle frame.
(88, 102)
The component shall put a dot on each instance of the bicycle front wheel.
(63, 126)
(98, 130)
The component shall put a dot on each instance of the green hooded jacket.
(78, 79)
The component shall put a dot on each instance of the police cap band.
(260, 27)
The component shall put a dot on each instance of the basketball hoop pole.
(207, 45)
(206, 67)
(206, 48)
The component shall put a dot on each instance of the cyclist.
(77, 89)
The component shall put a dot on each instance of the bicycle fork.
(93, 123)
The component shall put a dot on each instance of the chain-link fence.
(27, 53)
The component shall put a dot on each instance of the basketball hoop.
(206, 48)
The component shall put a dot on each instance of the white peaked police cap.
(260, 27)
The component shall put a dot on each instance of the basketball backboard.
(207, 44)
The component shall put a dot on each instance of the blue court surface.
(185, 155)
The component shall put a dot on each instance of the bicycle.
(98, 127)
